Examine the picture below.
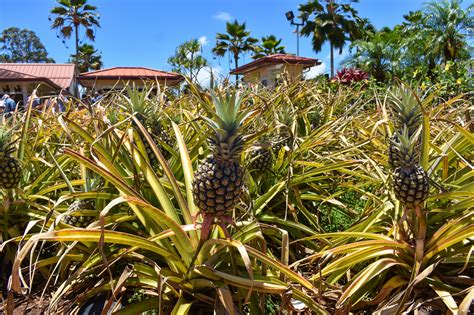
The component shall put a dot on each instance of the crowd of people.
(57, 104)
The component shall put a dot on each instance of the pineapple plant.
(83, 212)
(10, 168)
(407, 111)
(284, 120)
(218, 183)
(261, 158)
(147, 111)
(160, 135)
(76, 211)
(410, 180)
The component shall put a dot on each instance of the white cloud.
(203, 41)
(223, 16)
(315, 71)
(204, 76)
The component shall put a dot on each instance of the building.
(119, 77)
(20, 79)
(270, 69)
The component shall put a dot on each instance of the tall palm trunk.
(76, 32)
(236, 62)
(332, 60)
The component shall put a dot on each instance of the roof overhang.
(274, 60)
(90, 81)
(31, 80)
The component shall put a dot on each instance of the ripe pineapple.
(261, 158)
(80, 220)
(10, 168)
(218, 181)
(408, 113)
(410, 181)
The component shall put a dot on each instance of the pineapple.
(80, 220)
(261, 158)
(408, 113)
(410, 181)
(218, 181)
(281, 142)
(10, 168)
(160, 135)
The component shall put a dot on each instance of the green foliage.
(22, 46)
(320, 228)
(270, 45)
(87, 59)
(418, 49)
(188, 60)
(451, 79)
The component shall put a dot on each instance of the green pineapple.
(10, 168)
(160, 135)
(261, 158)
(218, 180)
(407, 111)
(81, 213)
(410, 181)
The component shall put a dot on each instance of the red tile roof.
(130, 73)
(276, 59)
(61, 75)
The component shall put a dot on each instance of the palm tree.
(70, 15)
(333, 22)
(87, 59)
(449, 25)
(270, 45)
(236, 41)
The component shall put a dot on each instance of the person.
(10, 105)
(36, 100)
(96, 98)
(61, 101)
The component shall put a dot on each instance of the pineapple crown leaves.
(406, 143)
(140, 102)
(227, 118)
(6, 143)
(405, 104)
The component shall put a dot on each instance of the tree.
(22, 46)
(87, 59)
(379, 55)
(72, 14)
(333, 22)
(270, 45)
(449, 26)
(188, 60)
(236, 41)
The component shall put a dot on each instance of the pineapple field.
(310, 198)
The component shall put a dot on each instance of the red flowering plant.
(348, 76)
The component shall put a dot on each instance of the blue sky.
(146, 32)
